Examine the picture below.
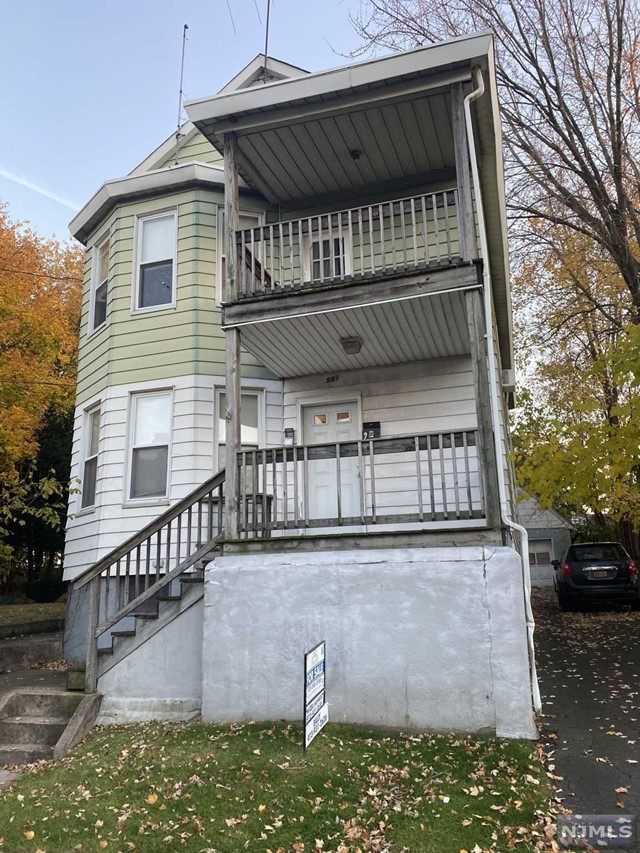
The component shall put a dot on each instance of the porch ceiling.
(393, 333)
(350, 150)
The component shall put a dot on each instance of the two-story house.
(295, 368)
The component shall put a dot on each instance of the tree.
(577, 435)
(568, 73)
(40, 297)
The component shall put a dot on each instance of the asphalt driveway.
(589, 672)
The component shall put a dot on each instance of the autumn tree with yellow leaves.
(577, 433)
(40, 298)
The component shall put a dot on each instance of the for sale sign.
(316, 710)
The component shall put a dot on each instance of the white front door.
(329, 423)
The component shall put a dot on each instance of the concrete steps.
(32, 723)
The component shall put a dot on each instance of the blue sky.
(89, 89)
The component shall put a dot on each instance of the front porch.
(431, 481)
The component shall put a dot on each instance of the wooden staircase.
(151, 578)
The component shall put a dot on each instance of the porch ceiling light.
(351, 346)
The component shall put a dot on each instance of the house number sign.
(316, 710)
(370, 429)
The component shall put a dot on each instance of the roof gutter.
(493, 389)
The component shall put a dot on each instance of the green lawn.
(12, 614)
(213, 789)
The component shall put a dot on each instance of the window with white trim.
(540, 552)
(91, 442)
(99, 286)
(150, 439)
(326, 259)
(250, 421)
(246, 220)
(156, 261)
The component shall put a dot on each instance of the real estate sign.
(316, 710)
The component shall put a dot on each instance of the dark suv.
(596, 571)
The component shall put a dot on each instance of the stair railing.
(134, 572)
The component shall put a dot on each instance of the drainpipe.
(493, 387)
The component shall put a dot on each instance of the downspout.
(493, 388)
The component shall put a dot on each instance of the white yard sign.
(316, 710)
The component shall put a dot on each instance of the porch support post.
(486, 447)
(466, 220)
(232, 338)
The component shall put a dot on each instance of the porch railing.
(432, 477)
(126, 579)
(376, 240)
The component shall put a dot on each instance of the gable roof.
(246, 78)
(270, 69)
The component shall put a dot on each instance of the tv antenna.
(179, 135)
(266, 42)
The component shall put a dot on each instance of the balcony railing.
(424, 478)
(378, 240)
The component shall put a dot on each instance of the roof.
(137, 186)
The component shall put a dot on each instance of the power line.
(37, 382)
(42, 274)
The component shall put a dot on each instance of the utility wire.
(36, 382)
(233, 23)
(41, 274)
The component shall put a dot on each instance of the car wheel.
(565, 603)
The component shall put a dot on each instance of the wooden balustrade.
(377, 240)
(424, 478)
(136, 571)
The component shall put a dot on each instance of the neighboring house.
(549, 537)
(295, 363)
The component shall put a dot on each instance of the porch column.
(232, 338)
(486, 447)
(466, 221)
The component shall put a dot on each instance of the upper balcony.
(365, 176)
(359, 245)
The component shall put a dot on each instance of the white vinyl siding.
(193, 459)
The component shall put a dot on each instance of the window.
(249, 426)
(150, 433)
(327, 258)
(246, 220)
(100, 281)
(540, 552)
(156, 261)
(90, 466)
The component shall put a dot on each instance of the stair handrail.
(149, 530)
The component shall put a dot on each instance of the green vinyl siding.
(193, 149)
(159, 344)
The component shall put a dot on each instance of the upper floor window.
(156, 273)
(90, 464)
(246, 219)
(99, 284)
(150, 435)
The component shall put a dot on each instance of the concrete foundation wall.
(416, 637)
(161, 679)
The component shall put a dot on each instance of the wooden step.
(130, 632)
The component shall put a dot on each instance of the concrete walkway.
(589, 670)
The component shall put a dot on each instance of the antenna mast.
(266, 42)
(181, 93)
